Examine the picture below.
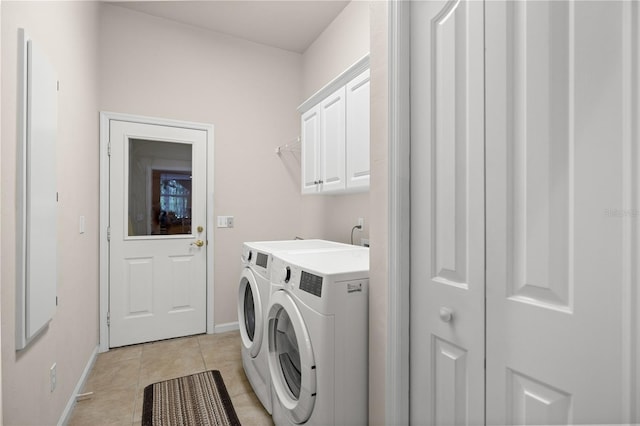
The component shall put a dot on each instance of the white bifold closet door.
(554, 166)
(523, 305)
(447, 213)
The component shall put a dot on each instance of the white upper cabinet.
(335, 134)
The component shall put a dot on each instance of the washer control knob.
(446, 314)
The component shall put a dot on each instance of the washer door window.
(250, 312)
(291, 361)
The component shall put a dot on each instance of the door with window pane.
(157, 240)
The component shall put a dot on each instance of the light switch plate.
(225, 221)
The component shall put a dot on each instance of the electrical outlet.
(361, 222)
(53, 379)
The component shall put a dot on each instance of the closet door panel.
(554, 103)
(447, 194)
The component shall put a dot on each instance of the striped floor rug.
(199, 399)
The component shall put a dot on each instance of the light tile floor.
(119, 377)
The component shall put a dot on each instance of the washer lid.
(250, 313)
(291, 360)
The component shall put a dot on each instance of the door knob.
(446, 314)
(198, 243)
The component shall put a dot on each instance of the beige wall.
(0, 211)
(379, 202)
(249, 92)
(70, 43)
(340, 45)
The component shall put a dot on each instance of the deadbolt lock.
(200, 229)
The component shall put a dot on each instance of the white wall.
(379, 202)
(249, 92)
(0, 211)
(70, 43)
(340, 45)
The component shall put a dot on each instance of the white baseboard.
(66, 414)
(223, 328)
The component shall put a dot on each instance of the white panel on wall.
(37, 247)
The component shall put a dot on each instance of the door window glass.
(287, 353)
(160, 182)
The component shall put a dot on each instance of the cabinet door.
(310, 150)
(358, 107)
(332, 145)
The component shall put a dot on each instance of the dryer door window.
(286, 348)
(250, 312)
(291, 359)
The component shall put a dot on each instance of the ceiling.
(291, 25)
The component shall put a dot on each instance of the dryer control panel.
(311, 283)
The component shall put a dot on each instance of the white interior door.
(157, 244)
(554, 149)
(447, 213)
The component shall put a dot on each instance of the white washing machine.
(317, 327)
(253, 299)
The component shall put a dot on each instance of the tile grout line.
(133, 415)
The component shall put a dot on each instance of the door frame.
(105, 118)
(399, 148)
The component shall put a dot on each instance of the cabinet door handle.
(315, 182)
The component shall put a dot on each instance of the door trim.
(105, 118)
(397, 374)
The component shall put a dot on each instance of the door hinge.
(108, 233)
(56, 300)
(108, 319)
(109, 149)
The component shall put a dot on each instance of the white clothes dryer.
(253, 299)
(317, 324)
